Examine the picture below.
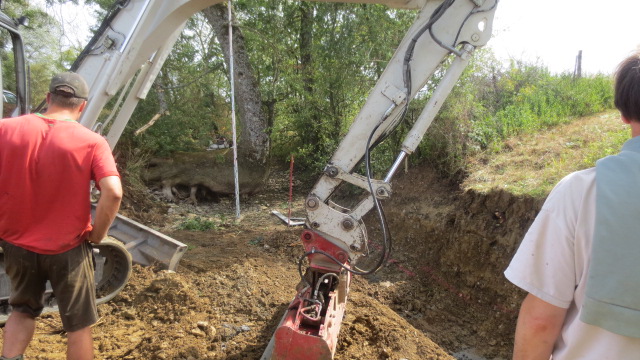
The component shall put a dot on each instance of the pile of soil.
(441, 296)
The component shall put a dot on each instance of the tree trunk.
(162, 104)
(306, 44)
(253, 140)
(305, 38)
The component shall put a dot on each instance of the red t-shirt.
(45, 170)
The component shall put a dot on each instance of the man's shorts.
(71, 275)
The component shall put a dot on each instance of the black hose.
(113, 12)
(332, 258)
(408, 56)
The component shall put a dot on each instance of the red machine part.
(310, 327)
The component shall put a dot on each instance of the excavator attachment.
(310, 326)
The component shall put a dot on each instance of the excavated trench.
(453, 247)
(441, 296)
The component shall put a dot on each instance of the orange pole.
(290, 190)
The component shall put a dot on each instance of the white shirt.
(552, 264)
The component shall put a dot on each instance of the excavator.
(126, 54)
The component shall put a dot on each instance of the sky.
(553, 31)
(76, 21)
(550, 32)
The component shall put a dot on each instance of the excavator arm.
(127, 52)
(444, 32)
(442, 38)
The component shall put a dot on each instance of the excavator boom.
(442, 38)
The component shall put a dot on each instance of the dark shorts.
(71, 275)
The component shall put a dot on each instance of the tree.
(253, 142)
(342, 50)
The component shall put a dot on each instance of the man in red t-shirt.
(47, 162)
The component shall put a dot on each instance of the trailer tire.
(113, 268)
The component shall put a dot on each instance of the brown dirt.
(442, 295)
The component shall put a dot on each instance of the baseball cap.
(69, 83)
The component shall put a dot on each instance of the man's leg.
(80, 344)
(18, 332)
(27, 295)
(72, 279)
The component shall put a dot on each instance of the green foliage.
(491, 103)
(197, 223)
(311, 91)
(257, 240)
(350, 45)
(194, 88)
(544, 101)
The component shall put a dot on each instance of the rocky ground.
(441, 296)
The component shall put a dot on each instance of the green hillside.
(533, 163)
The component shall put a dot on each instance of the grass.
(532, 164)
(197, 223)
(256, 241)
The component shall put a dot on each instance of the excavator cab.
(15, 94)
(9, 104)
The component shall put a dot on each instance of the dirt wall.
(455, 245)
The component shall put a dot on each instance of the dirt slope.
(224, 303)
(452, 247)
(441, 296)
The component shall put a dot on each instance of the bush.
(490, 104)
(197, 223)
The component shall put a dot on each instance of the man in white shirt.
(565, 315)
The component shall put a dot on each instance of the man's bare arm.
(108, 206)
(539, 325)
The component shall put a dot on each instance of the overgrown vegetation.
(197, 223)
(492, 103)
(532, 164)
(315, 64)
(312, 104)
